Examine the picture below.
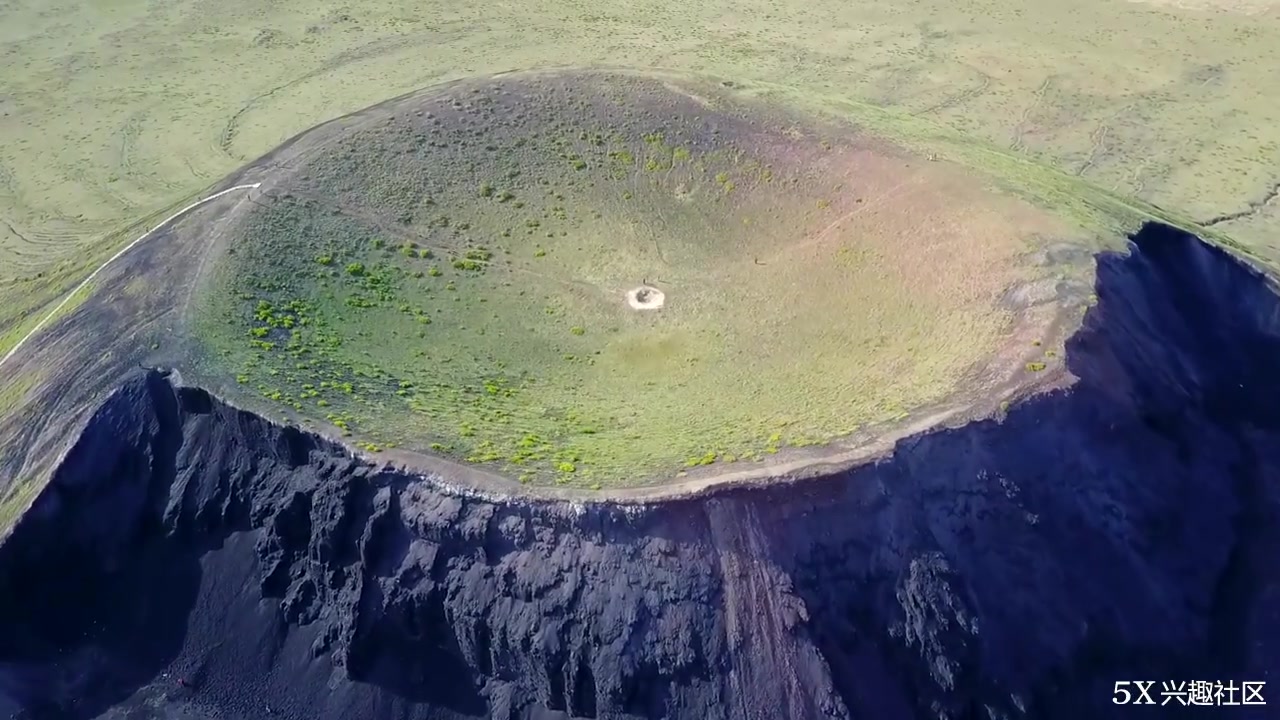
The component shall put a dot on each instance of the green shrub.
(706, 459)
(355, 269)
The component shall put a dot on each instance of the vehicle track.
(1252, 208)
(358, 54)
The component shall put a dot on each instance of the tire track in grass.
(1252, 208)
(357, 54)
(1021, 128)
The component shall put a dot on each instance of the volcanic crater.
(438, 277)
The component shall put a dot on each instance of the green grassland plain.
(112, 113)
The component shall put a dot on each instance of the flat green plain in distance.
(451, 274)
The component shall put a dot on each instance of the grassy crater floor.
(449, 273)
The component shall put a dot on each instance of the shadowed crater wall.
(192, 560)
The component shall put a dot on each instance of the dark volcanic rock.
(192, 560)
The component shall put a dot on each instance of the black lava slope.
(192, 560)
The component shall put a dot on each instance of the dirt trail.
(85, 283)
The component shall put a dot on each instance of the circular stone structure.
(646, 297)
(441, 274)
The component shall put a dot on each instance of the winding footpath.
(52, 313)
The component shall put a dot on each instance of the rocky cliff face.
(190, 560)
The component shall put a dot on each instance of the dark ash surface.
(190, 560)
